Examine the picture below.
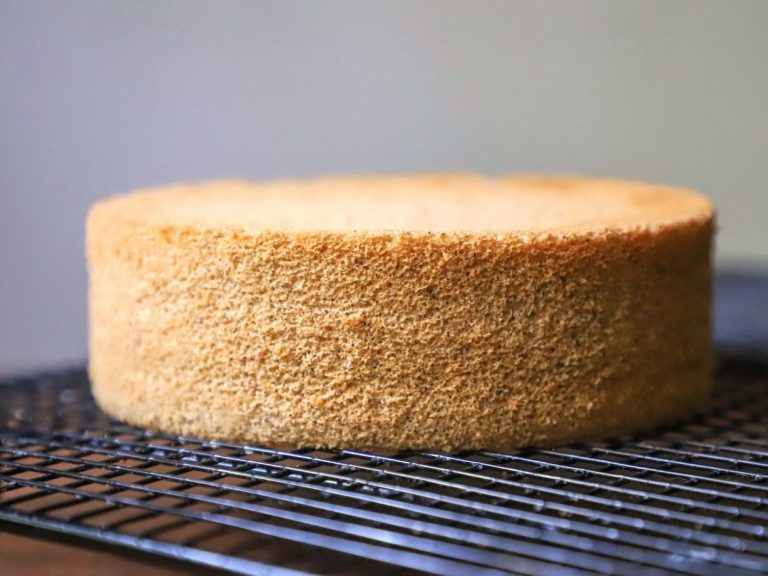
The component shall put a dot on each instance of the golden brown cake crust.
(405, 338)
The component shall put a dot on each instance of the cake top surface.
(418, 203)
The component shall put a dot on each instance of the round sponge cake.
(432, 311)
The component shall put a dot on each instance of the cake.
(437, 312)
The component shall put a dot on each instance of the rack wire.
(691, 500)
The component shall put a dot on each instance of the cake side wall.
(400, 340)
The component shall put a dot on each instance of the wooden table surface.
(24, 556)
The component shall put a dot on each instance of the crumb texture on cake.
(432, 311)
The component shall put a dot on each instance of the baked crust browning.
(399, 339)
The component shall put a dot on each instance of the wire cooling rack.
(691, 499)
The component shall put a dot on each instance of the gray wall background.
(99, 97)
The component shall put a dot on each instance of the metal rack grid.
(692, 500)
